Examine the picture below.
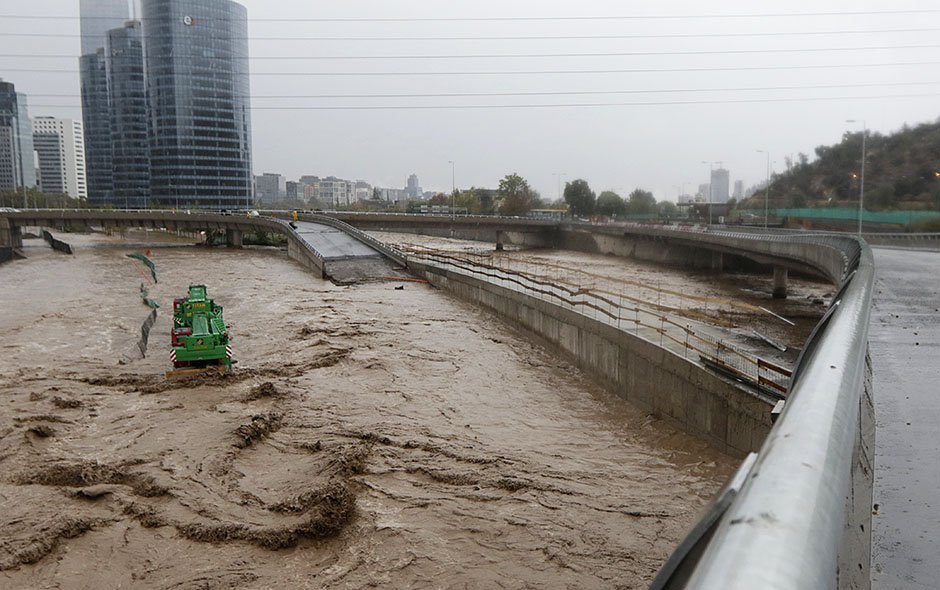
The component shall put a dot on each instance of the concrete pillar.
(234, 238)
(499, 241)
(17, 232)
(781, 275)
(718, 261)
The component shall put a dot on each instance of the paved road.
(332, 243)
(905, 350)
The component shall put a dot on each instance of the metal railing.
(782, 528)
(651, 322)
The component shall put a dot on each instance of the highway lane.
(905, 350)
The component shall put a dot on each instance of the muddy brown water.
(371, 437)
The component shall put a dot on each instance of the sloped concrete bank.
(652, 378)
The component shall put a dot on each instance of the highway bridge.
(799, 513)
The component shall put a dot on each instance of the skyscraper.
(97, 18)
(60, 146)
(127, 98)
(17, 162)
(96, 115)
(720, 186)
(414, 188)
(196, 64)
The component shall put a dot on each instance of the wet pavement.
(331, 243)
(381, 435)
(905, 350)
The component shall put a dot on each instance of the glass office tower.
(196, 64)
(127, 94)
(97, 18)
(96, 116)
(17, 161)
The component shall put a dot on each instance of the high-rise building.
(97, 18)
(127, 100)
(414, 188)
(96, 115)
(17, 162)
(720, 186)
(60, 147)
(738, 190)
(270, 188)
(196, 66)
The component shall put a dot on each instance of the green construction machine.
(200, 339)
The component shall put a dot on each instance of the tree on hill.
(902, 171)
(580, 198)
(610, 203)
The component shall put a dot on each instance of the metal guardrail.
(783, 529)
(625, 313)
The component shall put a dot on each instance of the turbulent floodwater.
(370, 437)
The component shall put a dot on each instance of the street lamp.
(767, 189)
(453, 184)
(861, 194)
(560, 175)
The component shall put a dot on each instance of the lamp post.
(453, 184)
(559, 175)
(861, 194)
(767, 188)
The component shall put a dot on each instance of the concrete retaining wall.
(655, 380)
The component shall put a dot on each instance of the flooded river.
(371, 436)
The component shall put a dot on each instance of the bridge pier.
(781, 276)
(718, 261)
(499, 240)
(234, 238)
(10, 235)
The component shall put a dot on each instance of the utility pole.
(767, 188)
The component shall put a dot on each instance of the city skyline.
(654, 146)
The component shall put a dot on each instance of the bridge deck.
(332, 243)
(904, 336)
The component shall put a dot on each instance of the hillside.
(903, 172)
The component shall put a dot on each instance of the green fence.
(848, 214)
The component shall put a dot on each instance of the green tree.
(580, 198)
(641, 203)
(516, 195)
(610, 204)
(668, 209)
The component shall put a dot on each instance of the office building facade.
(60, 150)
(270, 188)
(196, 64)
(17, 161)
(127, 100)
(97, 18)
(720, 186)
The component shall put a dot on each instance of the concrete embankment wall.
(652, 378)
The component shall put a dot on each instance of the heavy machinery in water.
(200, 340)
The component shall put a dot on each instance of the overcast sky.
(659, 147)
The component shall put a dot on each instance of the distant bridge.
(325, 245)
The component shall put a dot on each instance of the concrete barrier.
(652, 378)
(57, 245)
